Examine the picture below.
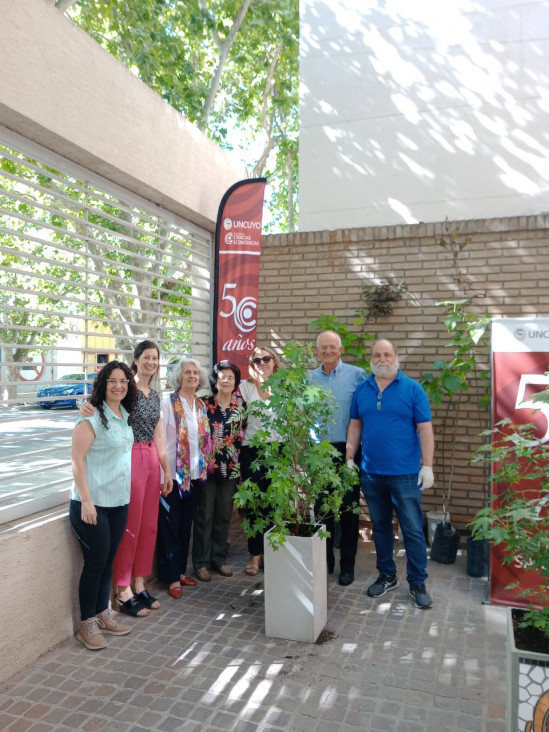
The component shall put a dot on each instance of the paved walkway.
(204, 663)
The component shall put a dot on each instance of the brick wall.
(504, 267)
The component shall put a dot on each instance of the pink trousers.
(135, 553)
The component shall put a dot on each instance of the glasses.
(265, 359)
(112, 382)
(329, 348)
(379, 402)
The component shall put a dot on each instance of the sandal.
(252, 569)
(150, 602)
(133, 607)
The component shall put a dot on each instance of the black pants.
(247, 456)
(175, 521)
(99, 544)
(349, 524)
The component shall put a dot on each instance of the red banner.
(520, 358)
(237, 255)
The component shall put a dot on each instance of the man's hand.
(425, 478)
(351, 464)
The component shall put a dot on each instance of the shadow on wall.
(412, 114)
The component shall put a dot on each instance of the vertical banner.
(236, 284)
(520, 358)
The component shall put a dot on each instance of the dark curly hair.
(99, 391)
(222, 366)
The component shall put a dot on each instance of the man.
(391, 413)
(342, 379)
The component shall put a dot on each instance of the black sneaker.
(422, 599)
(383, 584)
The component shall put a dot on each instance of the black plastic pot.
(478, 557)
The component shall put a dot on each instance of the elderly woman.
(188, 442)
(226, 409)
(100, 494)
(263, 363)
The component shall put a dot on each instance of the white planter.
(296, 588)
(527, 687)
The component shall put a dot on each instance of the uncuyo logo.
(520, 334)
(227, 224)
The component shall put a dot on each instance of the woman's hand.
(168, 485)
(89, 513)
(86, 410)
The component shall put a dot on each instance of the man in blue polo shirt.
(342, 379)
(391, 414)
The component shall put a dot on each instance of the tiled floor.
(204, 663)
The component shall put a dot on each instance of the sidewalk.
(204, 663)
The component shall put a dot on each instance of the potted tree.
(306, 485)
(446, 383)
(517, 525)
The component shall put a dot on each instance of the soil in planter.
(529, 639)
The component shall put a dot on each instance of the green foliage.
(518, 518)
(299, 464)
(230, 66)
(381, 297)
(449, 377)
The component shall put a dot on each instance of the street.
(34, 451)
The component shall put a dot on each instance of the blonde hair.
(253, 373)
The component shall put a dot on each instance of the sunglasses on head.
(258, 360)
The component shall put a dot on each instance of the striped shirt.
(108, 462)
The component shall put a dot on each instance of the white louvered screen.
(87, 270)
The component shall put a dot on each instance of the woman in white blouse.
(188, 442)
(263, 363)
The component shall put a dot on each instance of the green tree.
(230, 66)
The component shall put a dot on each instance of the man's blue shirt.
(342, 382)
(390, 442)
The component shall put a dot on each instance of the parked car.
(69, 390)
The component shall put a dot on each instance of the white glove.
(425, 478)
(351, 464)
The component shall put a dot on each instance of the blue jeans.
(401, 494)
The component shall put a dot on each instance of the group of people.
(149, 473)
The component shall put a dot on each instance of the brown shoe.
(109, 624)
(90, 635)
(203, 574)
(225, 570)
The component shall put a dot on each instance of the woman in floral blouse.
(187, 432)
(211, 524)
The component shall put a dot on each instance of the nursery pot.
(434, 518)
(478, 557)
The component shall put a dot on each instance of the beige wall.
(61, 89)
(39, 573)
(504, 268)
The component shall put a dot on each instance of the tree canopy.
(229, 66)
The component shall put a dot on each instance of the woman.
(133, 561)
(101, 456)
(211, 524)
(187, 433)
(263, 363)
